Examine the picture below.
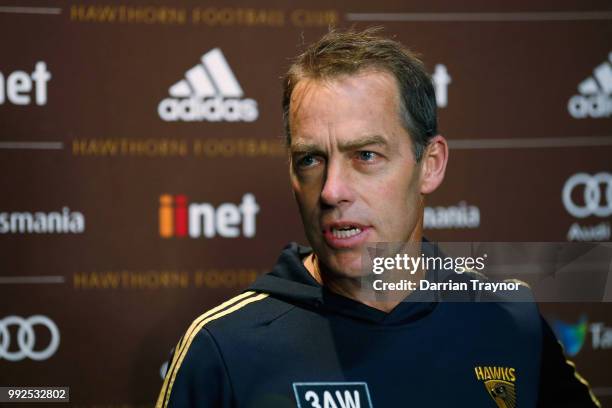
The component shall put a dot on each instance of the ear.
(433, 164)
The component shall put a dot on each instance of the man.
(364, 150)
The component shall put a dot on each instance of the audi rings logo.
(593, 202)
(26, 338)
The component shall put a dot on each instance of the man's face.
(353, 170)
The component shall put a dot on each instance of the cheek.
(395, 202)
(307, 197)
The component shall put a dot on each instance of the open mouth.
(344, 235)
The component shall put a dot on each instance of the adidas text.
(210, 92)
(212, 110)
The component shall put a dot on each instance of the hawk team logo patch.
(499, 382)
(332, 395)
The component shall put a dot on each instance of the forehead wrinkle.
(305, 111)
(305, 89)
(303, 117)
(302, 94)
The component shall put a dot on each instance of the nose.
(337, 190)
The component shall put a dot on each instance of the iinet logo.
(595, 99)
(178, 218)
(17, 86)
(209, 92)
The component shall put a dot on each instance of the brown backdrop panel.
(120, 294)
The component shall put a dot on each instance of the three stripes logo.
(209, 92)
(595, 94)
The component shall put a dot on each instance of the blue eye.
(367, 155)
(307, 161)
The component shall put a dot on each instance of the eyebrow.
(363, 142)
(301, 147)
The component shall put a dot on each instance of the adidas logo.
(209, 92)
(595, 99)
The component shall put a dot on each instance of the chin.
(348, 264)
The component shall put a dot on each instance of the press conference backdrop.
(144, 178)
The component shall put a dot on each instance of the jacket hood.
(290, 281)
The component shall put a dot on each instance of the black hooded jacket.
(289, 342)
